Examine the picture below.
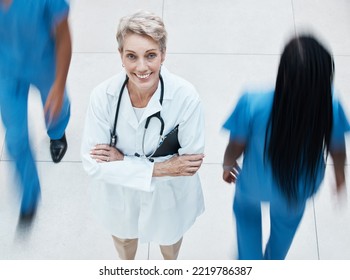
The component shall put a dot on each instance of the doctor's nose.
(142, 65)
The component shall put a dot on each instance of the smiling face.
(142, 59)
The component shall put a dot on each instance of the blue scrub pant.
(284, 222)
(14, 115)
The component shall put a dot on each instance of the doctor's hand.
(54, 103)
(184, 165)
(106, 153)
(230, 173)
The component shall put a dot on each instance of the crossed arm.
(178, 165)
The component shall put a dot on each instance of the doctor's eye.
(151, 55)
(131, 56)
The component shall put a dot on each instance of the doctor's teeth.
(143, 76)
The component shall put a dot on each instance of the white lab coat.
(127, 199)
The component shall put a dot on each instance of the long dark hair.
(299, 128)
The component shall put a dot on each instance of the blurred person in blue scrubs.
(285, 136)
(35, 50)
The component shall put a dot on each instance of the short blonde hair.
(142, 23)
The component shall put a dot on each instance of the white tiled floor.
(222, 47)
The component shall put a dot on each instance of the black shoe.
(27, 217)
(58, 148)
(26, 220)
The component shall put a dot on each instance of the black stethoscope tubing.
(157, 115)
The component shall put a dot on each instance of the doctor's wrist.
(227, 167)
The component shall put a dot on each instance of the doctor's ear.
(121, 55)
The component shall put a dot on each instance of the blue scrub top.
(27, 45)
(247, 124)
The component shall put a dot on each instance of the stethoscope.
(157, 115)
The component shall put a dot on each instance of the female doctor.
(140, 196)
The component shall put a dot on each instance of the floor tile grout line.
(148, 251)
(220, 163)
(293, 14)
(213, 53)
(163, 9)
(316, 232)
(46, 161)
(186, 53)
(79, 161)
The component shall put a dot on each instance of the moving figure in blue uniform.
(35, 50)
(285, 136)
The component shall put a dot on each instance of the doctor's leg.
(126, 248)
(284, 224)
(171, 252)
(248, 226)
(13, 107)
(55, 128)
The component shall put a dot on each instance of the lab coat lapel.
(127, 111)
(153, 106)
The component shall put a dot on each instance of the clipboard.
(170, 144)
